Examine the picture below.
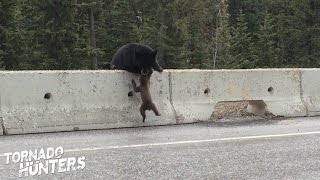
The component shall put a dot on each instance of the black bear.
(144, 89)
(134, 58)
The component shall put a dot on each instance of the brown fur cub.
(144, 90)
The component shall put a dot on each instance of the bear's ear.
(154, 52)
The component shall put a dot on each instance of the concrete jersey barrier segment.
(196, 92)
(310, 84)
(51, 101)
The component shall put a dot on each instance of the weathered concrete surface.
(310, 87)
(80, 100)
(195, 92)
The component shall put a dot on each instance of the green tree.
(307, 31)
(266, 50)
(172, 37)
(7, 37)
(116, 27)
(93, 10)
(222, 37)
(79, 34)
(242, 45)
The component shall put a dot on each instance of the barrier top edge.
(166, 70)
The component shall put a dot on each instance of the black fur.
(134, 58)
(107, 66)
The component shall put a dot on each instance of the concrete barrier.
(195, 92)
(50, 101)
(310, 84)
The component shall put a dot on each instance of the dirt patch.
(238, 109)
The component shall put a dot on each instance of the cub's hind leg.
(143, 111)
(155, 110)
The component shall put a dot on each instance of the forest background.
(205, 34)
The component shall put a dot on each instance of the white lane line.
(189, 142)
(192, 141)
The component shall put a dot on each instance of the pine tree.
(222, 37)
(8, 40)
(266, 50)
(242, 45)
(92, 8)
(307, 31)
(172, 36)
(56, 34)
(117, 27)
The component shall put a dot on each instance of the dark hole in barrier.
(130, 93)
(270, 89)
(48, 96)
(207, 91)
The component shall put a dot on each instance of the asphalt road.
(229, 149)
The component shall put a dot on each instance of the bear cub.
(144, 89)
(134, 58)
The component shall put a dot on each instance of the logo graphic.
(41, 161)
